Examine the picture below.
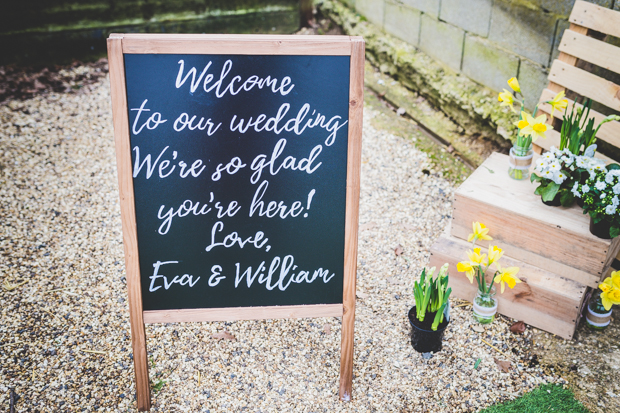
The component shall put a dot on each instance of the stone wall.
(487, 40)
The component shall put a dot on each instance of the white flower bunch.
(554, 164)
(602, 190)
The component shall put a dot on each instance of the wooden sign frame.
(120, 44)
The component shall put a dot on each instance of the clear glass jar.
(520, 161)
(597, 317)
(485, 306)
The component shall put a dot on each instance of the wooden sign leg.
(356, 105)
(128, 218)
(141, 366)
(346, 353)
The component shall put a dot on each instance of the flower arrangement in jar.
(485, 303)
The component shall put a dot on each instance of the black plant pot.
(423, 339)
(554, 202)
(601, 229)
(579, 202)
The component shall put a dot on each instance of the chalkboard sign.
(238, 161)
(239, 171)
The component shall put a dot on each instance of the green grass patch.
(546, 398)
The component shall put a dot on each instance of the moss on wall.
(469, 104)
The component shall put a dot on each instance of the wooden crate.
(555, 239)
(543, 299)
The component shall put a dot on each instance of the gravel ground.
(64, 333)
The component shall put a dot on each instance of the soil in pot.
(601, 229)
(423, 338)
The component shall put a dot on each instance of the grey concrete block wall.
(532, 79)
(426, 6)
(526, 32)
(470, 15)
(559, 32)
(372, 10)
(488, 64)
(402, 21)
(442, 41)
(564, 7)
(487, 40)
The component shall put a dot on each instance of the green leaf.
(612, 166)
(535, 177)
(550, 191)
(438, 317)
(567, 198)
(614, 231)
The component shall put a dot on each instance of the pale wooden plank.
(515, 214)
(609, 132)
(596, 18)
(128, 219)
(586, 84)
(543, 299)
(354, 160)
(242, 313)
(238, 45)
(566, 58)
(591, 50)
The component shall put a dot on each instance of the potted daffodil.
(598, 314)
(530, 129)
(431, 313)
(485, 303)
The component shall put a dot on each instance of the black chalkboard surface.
(239, 174)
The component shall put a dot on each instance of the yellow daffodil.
(475, 256)
(613, 281)
(514, 84)
(508, 276)
(611, 290)
(558, 103)
(495, 253)
(534, 127)
(469, 268)
(480, 232)
(610, 297)
(507, 99)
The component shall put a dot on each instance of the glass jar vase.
(520, 160)
(485, 306)
(597, 317)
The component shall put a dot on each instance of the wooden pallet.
(555, 239)
(589, 23)
(543, 299)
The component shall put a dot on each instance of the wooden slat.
(543, 299)
(128, 219)
(354, 161)
(591, 50)
(517, 216)
(609, 132)
(236, 44)
(596, 18)
(566, 58)
(553, 139)
(242, 313)
(586, 84)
